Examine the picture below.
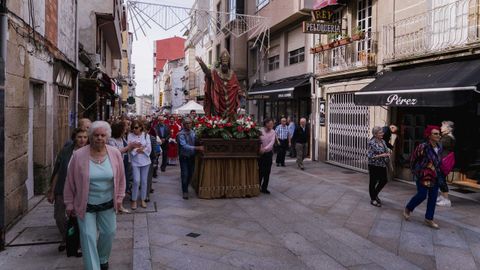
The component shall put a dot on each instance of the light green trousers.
(96, 253)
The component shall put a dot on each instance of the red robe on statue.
(221, 93)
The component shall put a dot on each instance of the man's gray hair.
(187, 119)
(376, 130)
(99, 124)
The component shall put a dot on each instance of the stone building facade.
(39, 95)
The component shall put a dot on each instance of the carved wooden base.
(225, 149)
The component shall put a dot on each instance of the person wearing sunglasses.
(425, 165)
(140, 159)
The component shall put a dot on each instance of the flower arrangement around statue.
(241, 127)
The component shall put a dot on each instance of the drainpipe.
(3, 54)
(75, 114)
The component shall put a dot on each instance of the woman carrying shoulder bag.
(378, 160)
(425, 165)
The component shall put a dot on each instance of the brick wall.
(51, 20)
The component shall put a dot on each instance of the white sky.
(142, 54)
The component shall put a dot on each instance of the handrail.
(451, 26)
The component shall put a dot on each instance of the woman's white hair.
(449, 124)
(376, 130)
(97, 125)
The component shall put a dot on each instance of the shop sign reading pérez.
(395, 99)
(321, 24)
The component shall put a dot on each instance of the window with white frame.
(364, 23)
(274, 62)
(296, 56)
(262, 3)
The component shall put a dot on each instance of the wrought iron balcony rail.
(442, 28)
(347, 55)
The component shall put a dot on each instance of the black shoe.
(154, 176)
(283, 165)
(151, 190)
(302, 168)
(265, 191)
(104, 266)
(378, 200)
(162, 169)
(278, 164)
(147, 200)
(62, 247)
(185, 196)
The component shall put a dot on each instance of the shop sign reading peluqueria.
(321, 23)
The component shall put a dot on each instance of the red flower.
(220, 125)
(240, 129)
(247, 130)
(228, 124)
(209, 125)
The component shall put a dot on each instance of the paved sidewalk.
(319, 218)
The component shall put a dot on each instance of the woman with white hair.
(94, 191)
(448, 144)
(378, 160)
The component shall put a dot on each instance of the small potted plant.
(345, 39)
(333, 37)
(357, 33)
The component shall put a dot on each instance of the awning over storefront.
(443, 85)
(278, 89)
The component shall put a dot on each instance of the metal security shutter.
(348, 132)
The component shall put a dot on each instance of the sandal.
(375, 203)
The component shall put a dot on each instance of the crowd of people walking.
(105, 162)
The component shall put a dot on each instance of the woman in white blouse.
(140, 159)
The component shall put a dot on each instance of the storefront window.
(268, 108)
(413, 127)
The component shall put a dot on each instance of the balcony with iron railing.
(446, 28)
(347, 55)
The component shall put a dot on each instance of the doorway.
(36, 123)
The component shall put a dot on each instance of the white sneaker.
(439, 198)
(445, 202)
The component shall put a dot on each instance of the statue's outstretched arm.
(204, 67)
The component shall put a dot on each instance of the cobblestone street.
(319, 218)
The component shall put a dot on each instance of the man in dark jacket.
(164, 133)
(301, 136)
(387, 135)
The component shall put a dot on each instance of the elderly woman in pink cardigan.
(94, 191)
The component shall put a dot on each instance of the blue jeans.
(421, 195)
(187, 166)
(140, 179)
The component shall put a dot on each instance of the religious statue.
(222, 89)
